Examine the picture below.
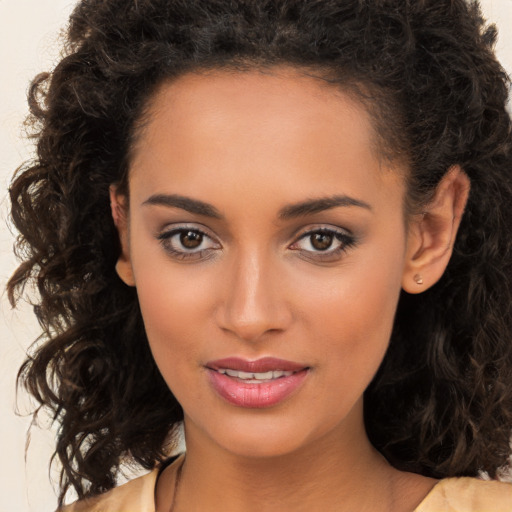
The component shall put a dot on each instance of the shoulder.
(468, 495)
(137, 495)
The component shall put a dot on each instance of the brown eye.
(322, 241)
(191, 239)
(184, 243)
(324, 244)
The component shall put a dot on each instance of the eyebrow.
(308, 207)
(184, 203)
(312, 206)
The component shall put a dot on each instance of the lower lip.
(255, 396)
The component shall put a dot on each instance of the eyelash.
(166, 240)
(344, 239)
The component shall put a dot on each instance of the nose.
(254, 303)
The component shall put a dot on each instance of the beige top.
(449, 495)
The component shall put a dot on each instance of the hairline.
(358, 90)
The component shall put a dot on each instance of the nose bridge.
(253, 302)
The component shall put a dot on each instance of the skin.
(251, 145)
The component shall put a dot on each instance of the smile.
(255, 378)
(256, 384)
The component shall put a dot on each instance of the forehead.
(280, 128)
(275, 99)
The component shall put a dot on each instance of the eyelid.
(346, 238)
(194, 226)
(315, 228)
(165, 235)
(177, 227)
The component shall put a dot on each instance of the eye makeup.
(189, 242)
(324, 244)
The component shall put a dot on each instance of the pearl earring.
(418, 279)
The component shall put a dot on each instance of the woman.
(285, 223)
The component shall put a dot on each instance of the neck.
(340, 472)
(312, 479)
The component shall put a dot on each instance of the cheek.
(169, 303)
(171, 295)
(351, 316)
(174, 309)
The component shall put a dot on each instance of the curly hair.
(441, 402)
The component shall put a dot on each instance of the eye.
(324, 243)
(187, 243)
(321, 241)
(190, 239)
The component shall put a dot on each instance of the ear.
(118, 207)
(431, 235)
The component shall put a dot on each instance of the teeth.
(264, 376)
(249, 376)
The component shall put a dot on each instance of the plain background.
(28, 44)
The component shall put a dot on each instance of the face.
(267, 241)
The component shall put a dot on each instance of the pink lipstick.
(255, 384)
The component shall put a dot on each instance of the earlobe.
(432, 234)
(119, 215)
(124, 271)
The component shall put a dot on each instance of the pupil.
(191, 239)
(321, 241)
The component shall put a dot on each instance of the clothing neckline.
(163, 466)
(174, 459)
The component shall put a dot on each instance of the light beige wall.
(28, 31)
(27, 45)
(500, 12)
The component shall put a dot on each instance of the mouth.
(260, 366)
(256, 384)
(255, 378)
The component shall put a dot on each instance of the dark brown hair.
(441, 403)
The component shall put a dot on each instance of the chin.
(270, 447)
(257, 437)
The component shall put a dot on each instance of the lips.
(255, 384)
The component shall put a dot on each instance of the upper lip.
(264, 364)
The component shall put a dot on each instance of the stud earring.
(418, 279)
